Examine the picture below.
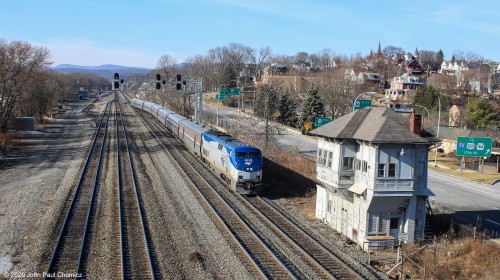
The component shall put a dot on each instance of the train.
(239, 164)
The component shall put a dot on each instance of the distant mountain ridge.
(100, 67)
(106, 71)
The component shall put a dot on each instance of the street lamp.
(354, 103)
(428, 118)
(437, 134)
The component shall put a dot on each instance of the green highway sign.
(474, 146)
(223, 93)
(360, 104)
(319, 121)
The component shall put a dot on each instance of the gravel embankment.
(36, 181)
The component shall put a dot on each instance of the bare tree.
(165, 66)
(391, 51)
(427, 59)
(468, 56)
(19, 62)
(266, 107)
(261, 60)
(336, 93)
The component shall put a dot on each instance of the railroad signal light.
(116, 85)
(158, 77)
(184, 82)
(179, 77)
(178, 86)
(122, 81)
(164, 82)
(116, 76)
(158, 85)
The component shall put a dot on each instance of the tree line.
(318, 76)
(28, 87)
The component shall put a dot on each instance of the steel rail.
(314, 255)
(120, 190)
(219, 215)
(84, 250)
(155, 273)
(70, 213)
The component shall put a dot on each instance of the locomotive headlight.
(240, 173)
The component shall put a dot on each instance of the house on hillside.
(403, 87)
(276, 69)
(452, 68)
(372, 165)
(413, 67)
(360, 77)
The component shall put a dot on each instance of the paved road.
(290, 138)
(467, 199)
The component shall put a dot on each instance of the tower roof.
(373, 124)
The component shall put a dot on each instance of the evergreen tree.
(427, 96)
(287, 111)
(266, 101)
(439, 60)
(313, 107)
(480, 114)
(229, 76)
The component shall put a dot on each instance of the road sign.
(319, 121)
(402, 236)
(474, 146)
(361, 103)
(223, 93)
(307, 126)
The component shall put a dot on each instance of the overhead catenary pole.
(198, 101)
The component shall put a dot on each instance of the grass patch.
(454, 259)
(451, 165)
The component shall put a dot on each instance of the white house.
(452, 67)
(372, 165)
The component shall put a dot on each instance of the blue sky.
(139, 32)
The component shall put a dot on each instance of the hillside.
(105, 71)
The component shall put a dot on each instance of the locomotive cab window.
(248, 154)
(254, 154)
(241, 154)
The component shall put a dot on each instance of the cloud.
(82, 51)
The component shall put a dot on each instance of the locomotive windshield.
(247, 154)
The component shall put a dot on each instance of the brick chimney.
(416, 123)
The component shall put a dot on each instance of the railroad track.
(358, 265)
(327, 259)
(69, 257)
(261, 261)
(137, 254)
(320, 261)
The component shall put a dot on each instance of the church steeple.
(416, 55)
(379, 51)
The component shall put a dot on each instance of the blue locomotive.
(237, 163)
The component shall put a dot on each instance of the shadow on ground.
(468, 223)
(282, 182)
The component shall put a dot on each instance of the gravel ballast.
(35, 182)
